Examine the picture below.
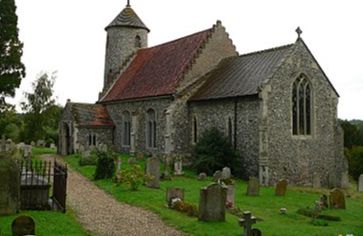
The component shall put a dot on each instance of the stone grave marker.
(253, 188)
(172, 193)
(360, 183)
(140, 155)
(9, 186)
(337, 199)
(324, 201)
(32, 143)
(40, 143)
(132, 160)
(345, 180)
(316, 180)
(27, 151)
(212, 203)
(281, 187)
(23, 225)
(226, 173)
(153, 170)
(230, 196)
(52, 146)
(217, 175)
(332, 180)
(178, 167)
(202, 176)
(246, 222)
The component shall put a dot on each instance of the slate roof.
(156, 71)
(242, 75)
(128, 18)
(91, 114)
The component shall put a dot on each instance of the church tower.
(125, 35)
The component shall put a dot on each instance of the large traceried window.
(126, 117)
(151, 128)
(301, 106)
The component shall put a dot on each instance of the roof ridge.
(268, 50)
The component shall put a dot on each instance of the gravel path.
(101, 214)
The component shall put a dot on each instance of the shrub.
(213, 152)
(105, 167)
(188, 208)
(133, 176)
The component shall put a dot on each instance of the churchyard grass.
(47, 223)
(266, 206)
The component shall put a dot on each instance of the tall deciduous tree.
(12, 70)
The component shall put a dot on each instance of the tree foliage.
(353, 133)
(12, 70)
(213, 152)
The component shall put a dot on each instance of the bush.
(105, 167)
(133, 176)
(213, 152)
(188, 208)
(355, 159)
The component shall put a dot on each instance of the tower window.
(138, 41)
(301, 106)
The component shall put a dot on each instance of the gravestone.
(316, 180)
(332, 180)
(172, 193)
(360, 183)
(52, 146)
(202, 176)
(23, 225)
(230, 196)
(132, 160)
(324, 201)
(32, 143)
(9, 186)
(153, 170)
(217, 175)
(140, 155)
(226, 173)
(281, 187)
(253, 188)
(337, 199)
(344, 180)
(246, 222)
(178, 167)
(40, 143)
(27, 151)
(212, 203)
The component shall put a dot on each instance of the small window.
(94, 140)
(301, 106)
(138, 41)
(230, 131)
(126, 128)
(151, 129)
(195, 130)
(89, 140)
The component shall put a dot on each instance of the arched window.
(230, 131)
(126, 117)
(151, 129)
(89, 140)
(94, 140)
(301, 106)
(138, 41)
(195, 130)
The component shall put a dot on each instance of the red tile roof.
(91, 114)
(157, 70)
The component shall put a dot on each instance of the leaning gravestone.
(360, 183)
(316, 180)
(253, 188)
(212, 203)
(173, 193)
(281, 187)
(23, 225)
(153, 170)
(337, 199)
(9, 186)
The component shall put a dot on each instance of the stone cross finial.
(298, 31)
(128, 3)
(246, 222)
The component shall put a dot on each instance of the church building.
(276, 106)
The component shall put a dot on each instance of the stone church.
(276, 106)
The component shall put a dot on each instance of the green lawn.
(266, 207)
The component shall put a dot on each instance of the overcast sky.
(68, 36)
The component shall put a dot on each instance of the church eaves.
(90, 114)
(127, 18)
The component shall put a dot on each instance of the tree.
(42, 114)
(12, 70)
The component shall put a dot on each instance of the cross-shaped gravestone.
(246, 222)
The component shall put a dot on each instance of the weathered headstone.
(40, 143)
(172, 193)
(27, 151)
(230, 196)
(332, 180)
(153, 170)
(23, 225)
(344, 180)
(226, 173)
(316, 180)
(281, 187)
(212, 203)
(360, 183)
(217, 175)
(202, 176)
(337, 199)
(178, 167)
(32, 143)
(246, 222)
(253, 188)
(52, 146)
(9, 186)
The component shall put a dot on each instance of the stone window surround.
(153, 134)
(126, 121)
(92, 139)
(312, 113)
